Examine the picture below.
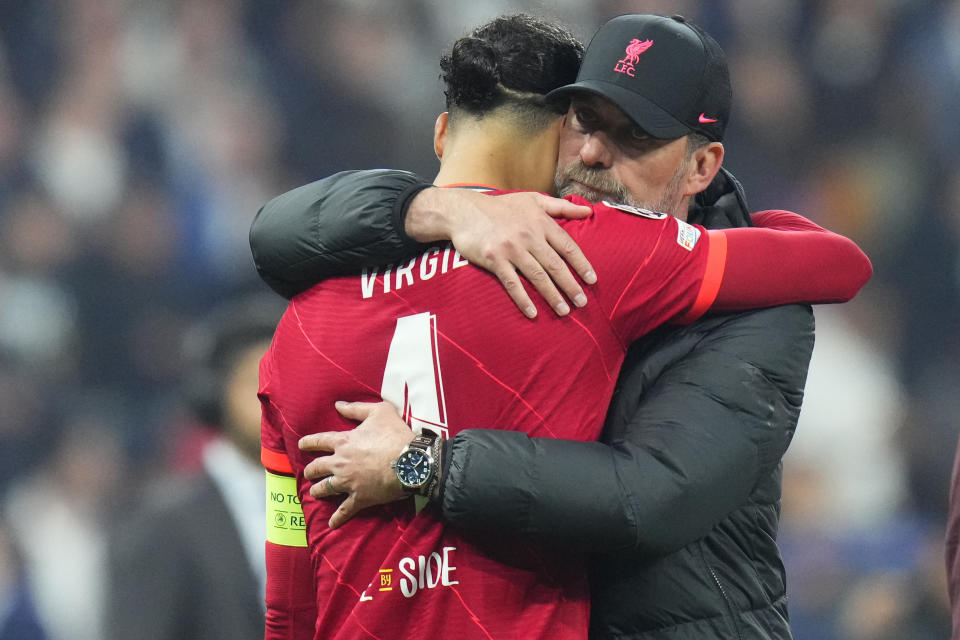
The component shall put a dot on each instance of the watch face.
(413, 468)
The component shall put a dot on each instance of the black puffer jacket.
(680, 501)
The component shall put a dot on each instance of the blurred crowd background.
(138, 139)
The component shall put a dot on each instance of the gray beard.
(600, 185)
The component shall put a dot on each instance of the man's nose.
(596, 151)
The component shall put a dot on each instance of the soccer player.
(434, 336)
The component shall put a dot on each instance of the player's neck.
(508, 162)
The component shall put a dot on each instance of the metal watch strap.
(431, 489)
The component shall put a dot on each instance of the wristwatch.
(417, 466)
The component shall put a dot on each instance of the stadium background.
(138, 139)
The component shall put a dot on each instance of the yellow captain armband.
(286, 525)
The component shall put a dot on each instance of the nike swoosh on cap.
(705, 120)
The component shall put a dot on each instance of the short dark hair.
(510, 63)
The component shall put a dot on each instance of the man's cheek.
(570, 143)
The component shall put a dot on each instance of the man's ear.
(440, 134)
(705, 163)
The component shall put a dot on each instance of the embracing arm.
(679, 457)
(332, 227)
(787, 259)
(338, 225)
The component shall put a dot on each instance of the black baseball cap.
(668, 75)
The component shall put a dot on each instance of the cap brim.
(645, 114)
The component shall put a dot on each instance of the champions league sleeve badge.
(687, 235)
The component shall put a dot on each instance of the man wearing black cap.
(672, 83)
(680, 502)
(640, 106)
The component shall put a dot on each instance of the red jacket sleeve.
(787, 259)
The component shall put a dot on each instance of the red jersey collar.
(468, 185)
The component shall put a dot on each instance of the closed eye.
(586, 119)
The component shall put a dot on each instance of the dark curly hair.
(511, 62)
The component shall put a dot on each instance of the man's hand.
(506, 234)
(359, 460)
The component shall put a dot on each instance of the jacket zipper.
(730, 610)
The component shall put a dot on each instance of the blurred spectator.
(189, 561)
(851, 412)
(897, 603)
(18, 616)
(27, 419)
(60, 514)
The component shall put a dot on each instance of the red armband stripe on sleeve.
(712, 277)
(275, 461)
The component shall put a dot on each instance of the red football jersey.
(439, 339)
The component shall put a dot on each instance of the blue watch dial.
(413, 468)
